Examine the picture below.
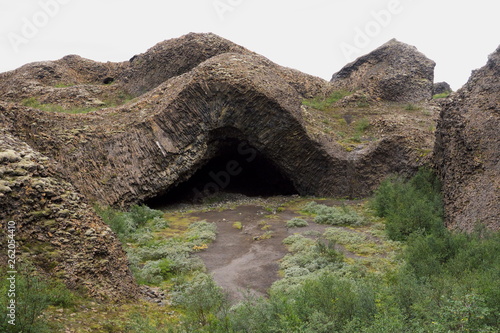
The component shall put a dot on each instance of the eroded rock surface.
(393, 72)
(131, 153)
(441, 88)
(467, 152)
(56, 229)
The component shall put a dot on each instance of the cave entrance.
(236, 167)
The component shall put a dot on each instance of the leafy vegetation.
(441, 281)
(296, 222)
(410, 206)
(324, 103)
(446, 282)
(33, 295)
(362, 125)
(135, 224)
(343, 215)
(155, 259)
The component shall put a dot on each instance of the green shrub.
(138, 323)
(142, 214)
(201, 232)
(33, 294)
(155, 261)
(322, 303)
(204, 302)
(134, 225)
(410, 206)
(308, 256)
(345, 236)
(296, 222)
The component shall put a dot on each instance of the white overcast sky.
(304, 34)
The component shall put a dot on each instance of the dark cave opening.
(236, 167)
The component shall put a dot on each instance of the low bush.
(333, 215)
(296, 222)
(307, 256)
(205, 304)
(132, 225)
(345, 236)
(322, 303)
(33, 294)
(410, 206)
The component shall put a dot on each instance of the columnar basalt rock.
(393, 72)
(467, 151)
(56, 229)
(131, 153)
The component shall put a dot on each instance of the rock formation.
(56, 229)
(441, 88)
(467, 151)
(137, 151)
(393, 72)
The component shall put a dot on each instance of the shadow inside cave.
(235, 167)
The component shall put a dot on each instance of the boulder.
(441, 88)
(393, 72)
(467, 150)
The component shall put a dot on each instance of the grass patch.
(155, 259)
(64, 85)
(324, 103)
(362, 125)
(411, 107)
(113, 101)
(442, 95)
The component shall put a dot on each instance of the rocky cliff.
(467, 151)
(395, 72)
(56, 229)
(137, 151)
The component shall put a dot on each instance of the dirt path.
(243, 260)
